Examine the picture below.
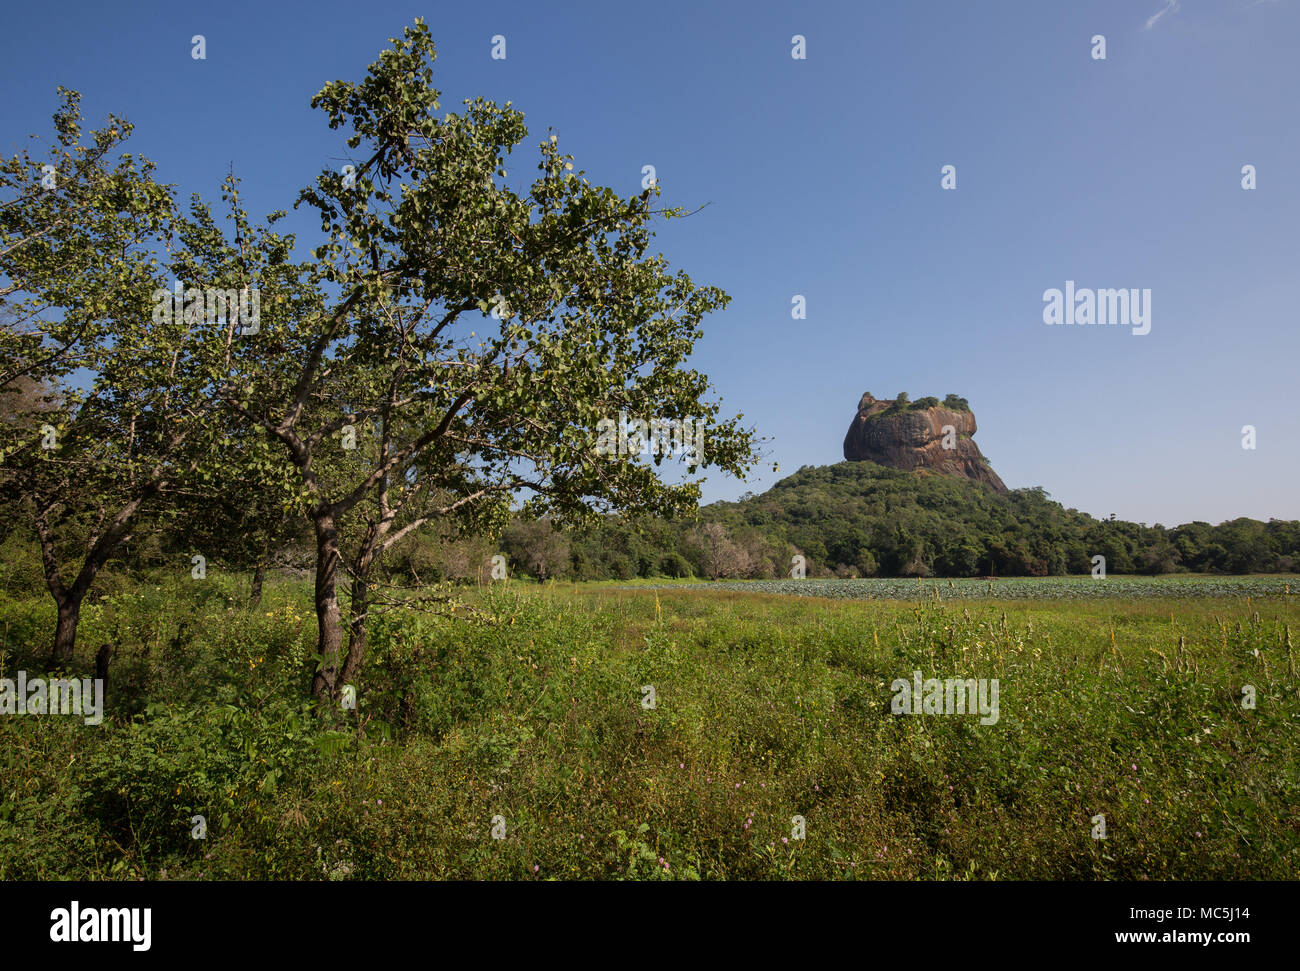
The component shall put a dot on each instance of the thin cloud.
(1169, 7)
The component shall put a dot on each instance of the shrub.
(675, 565)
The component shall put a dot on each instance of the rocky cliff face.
(914, 439)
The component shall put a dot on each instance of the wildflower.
(535, 868)
(785, 839)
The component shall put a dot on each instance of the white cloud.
(1169, 7)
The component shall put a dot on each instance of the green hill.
(865, 518)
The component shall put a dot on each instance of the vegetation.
(1186, 586)
(858, 518)
(388, 383)
(530, 721)
(291, 544)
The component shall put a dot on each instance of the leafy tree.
(538, 547)
(676, 566)
(119, 420)
(482, 333)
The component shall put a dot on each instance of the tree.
(722, 557)
(538, 547)
(956, 403)
(118, 421)
(572, 322)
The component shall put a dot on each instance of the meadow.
(518, 741)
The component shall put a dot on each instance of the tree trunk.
(69, 598)
(102, 658)
(259, 571)
(329, 633)
(259, 577)
(65, 631)
(356, 628)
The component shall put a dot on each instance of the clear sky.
(822, 178)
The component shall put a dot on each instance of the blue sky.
(822, 178)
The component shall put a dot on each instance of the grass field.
(531, 723)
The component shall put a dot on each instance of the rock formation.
(912, 436)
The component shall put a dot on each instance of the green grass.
(767, 707)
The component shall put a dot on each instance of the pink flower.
(534, 867)
(785, 839)
(682, 766)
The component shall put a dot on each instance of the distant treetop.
(956, 403)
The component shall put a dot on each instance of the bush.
(145, 785)
(674, 565)
(20, 565)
